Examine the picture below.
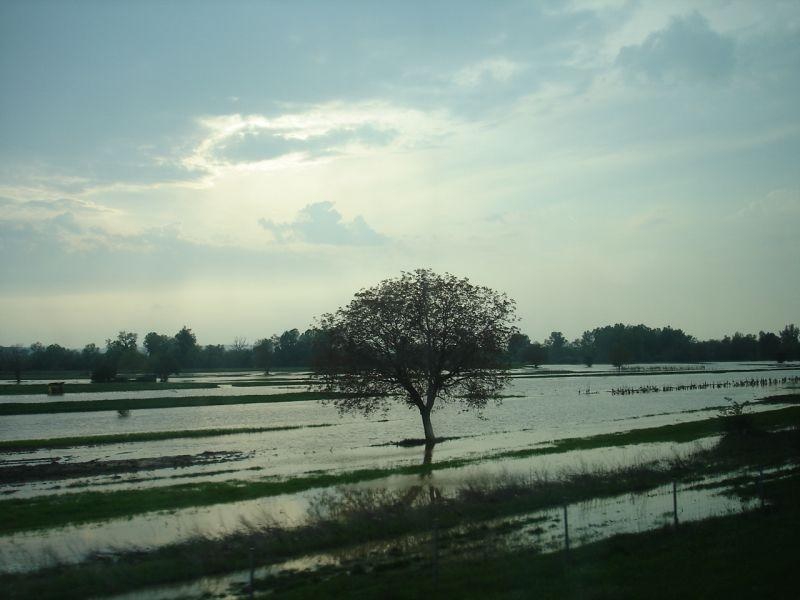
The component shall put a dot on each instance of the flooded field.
(536, 411)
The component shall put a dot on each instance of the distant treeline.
(161, 355)
(621, 344)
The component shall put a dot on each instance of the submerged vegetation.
(82, 507)
(343, 517)
(147, 436)
(65, 406)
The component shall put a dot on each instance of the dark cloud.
(266, 144)
(321, 223)
(686, 50)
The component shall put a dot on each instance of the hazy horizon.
(241, 168)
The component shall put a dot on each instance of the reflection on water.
(541, 530)
(74, 543)
(543, 410)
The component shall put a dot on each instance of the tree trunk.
(430, 438)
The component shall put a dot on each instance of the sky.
(244, 167)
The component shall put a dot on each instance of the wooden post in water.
(435, 551)
(675, 502)
(252, 571)
(566, 531)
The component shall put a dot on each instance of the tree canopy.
(419, 338)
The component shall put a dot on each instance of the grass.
(7, 389)
(701, 560)
(63, 509)
(616, 373)
(279, 382)
(65, 406)
(704, 559)
(149, 436)
(43, 512)
(676, 433)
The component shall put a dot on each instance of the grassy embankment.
(704, 559)
(630, 373)
(147, 436)
(67, 406)
(55, 510)
(11, 389)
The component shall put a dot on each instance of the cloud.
(22, 209)
(321, 223)
(781, 204)
(258, 143)
(494, 70)
(686, 50)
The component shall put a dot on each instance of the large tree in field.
(419, 339)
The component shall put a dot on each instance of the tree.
(518, 345)
(619, 355)
(770, 347)
(555, 346)
(790, 342)
(419, 338)
(90, 357)
(535, 354)
(121, 355)
(186, 343)
(15, 359)
(262, 354)
(154, 343)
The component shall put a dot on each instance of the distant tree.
(240, 354)
(770, 347)
(164, 362)
(163, 355)
(790, 341)
(154, 343)
(619, 355)
(15, 359)
(535, 354)
(90, 356)
(104, 372)
(419, 338)
(122, 354)
(587, 348)
(518, 345)
(555, 345)
(286, 348)
(186, 346)
(213, 356)
(263, 351)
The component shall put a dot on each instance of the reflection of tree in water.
(425, 480)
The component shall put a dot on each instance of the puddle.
(30, 550)
(544, 531)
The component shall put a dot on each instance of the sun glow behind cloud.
(634, 154)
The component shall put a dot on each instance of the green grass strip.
(10, 389)
(149, 436)
(83, 507)
(30, 408)
(278, 382)
(676, 433)
(62, 509)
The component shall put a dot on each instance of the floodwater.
(545, 530)
(31, 550)
(536, 411)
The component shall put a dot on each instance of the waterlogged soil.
(544, 530)
(58, 468)
(537, 411)
(151, 530)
